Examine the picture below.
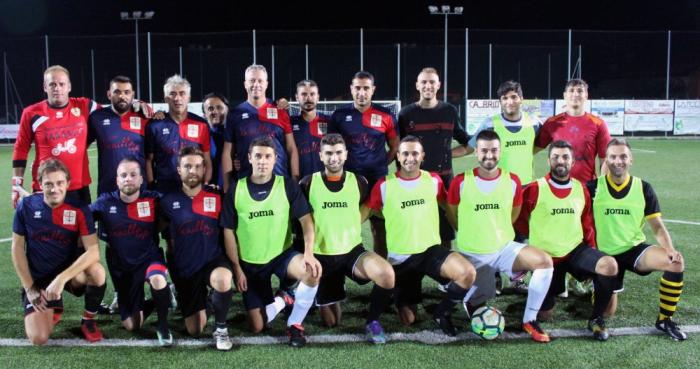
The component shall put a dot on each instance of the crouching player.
(409, 201)
(256, 222)
(128, 225)
(621, 203)
(47, 258)
(335, 196)
(486, 202)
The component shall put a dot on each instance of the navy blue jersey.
(217, 147)
(51, 234)
(194, 229)
(307, 136)
(165, 138)
(245, 122)
(130, 230)
(117, 137)
(365, 136)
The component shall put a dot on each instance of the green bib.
(263, 226)
(411, 215)
(516, 148)
(336, 216)
(555, 224)
(485, 225)
(618, 222)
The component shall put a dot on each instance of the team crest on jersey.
(166, 131)
(37, 215)
(112, 209)
(135, 123)
(375, 120)
(69, 217)
(144, 209)
(192, 130)
(244, 116)
(210, 204)
(176, 205)
(75, 111)
(272, 113)
(322, 128)
(106, 122)
(348, 118)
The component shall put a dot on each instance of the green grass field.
(671, 166)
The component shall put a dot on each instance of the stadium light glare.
(149, 14)
(445, 10)
(137, 13)
(459, 9)
(136, 16)
(124, 15)
(432, 8)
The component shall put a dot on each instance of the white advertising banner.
(560, 106)
(9, 131)
(612, 112)
(478, 110)
(193, 107)
(648, 115)
(686, 119)
(541, 109)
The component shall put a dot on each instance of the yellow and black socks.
(670, 289)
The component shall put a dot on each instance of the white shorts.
(487, 265)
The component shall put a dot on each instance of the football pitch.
(671, 166)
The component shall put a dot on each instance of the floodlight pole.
(136, 16)
(445, 10)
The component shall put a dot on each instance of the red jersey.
(587, 134)
(530, 195)
(57, 133)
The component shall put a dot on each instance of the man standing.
(486, 201)
(128, 222)
(166, 137)
(621, 203)
(258, 117)
(367, 128)
(335, 196)
(119, 132)
(308, 128)
(556, 214)
(47, 259)
(409, 201)
(59, 128)
(435, 123)
(215, 108)
(257, 211)
(587, 134)
(192, 212)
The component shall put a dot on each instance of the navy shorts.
(192, 291)
(410, 273)
(259, 293)
(580, 263)
(627, 261)
(331, 289)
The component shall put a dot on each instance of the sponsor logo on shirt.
(192, 130)
(486, 207)
(375, 120)
(59, 114)
(557, 211)
(69, 217)
(405, 204)
(68, 145)
(295, 127)
(75, 111)
(516, 143)
(112, 209)
(334, 204)
(261, 213)
(348, 118)
(210, 204)
(106, 122)
(244, 116)
(37, 215)
(616, 212)
(322, 128)
(272, 113)
(176, 205)
(144, 209)
(135, 123)
(166, 131)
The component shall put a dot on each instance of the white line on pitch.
(6, 240)
(426, 337)
(681, 222)
(646, 151)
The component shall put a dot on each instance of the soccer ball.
(487, 322)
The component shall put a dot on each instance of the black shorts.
(297, 236)
(259, 293)
(580, 263)
(409, 274)
(446, 232)
(331, 289)
(57, 305)
(129, 282)
(627, 261)
(81, 195)
(192, 290)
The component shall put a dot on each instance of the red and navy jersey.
(216, 149)
(57, 133)
(51, 234)
(117, 137)
(130, 229)
(245, 122)
(194, 229)
(165, 138)
(307, 136)
(366, 137)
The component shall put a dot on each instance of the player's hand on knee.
(675, 257)
(55, 289)
(37, 298)
(312, 265)
(241, 281)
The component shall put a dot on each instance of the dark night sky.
(63, 17)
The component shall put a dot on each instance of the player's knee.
(467, 276)
(385, 278)
(607, 266)
(256, 327)
(158, 282)
(39, 339)
(407, 317)
(96, 274)
(544, 262)
(221, 280)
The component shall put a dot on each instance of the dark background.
(623, 45)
